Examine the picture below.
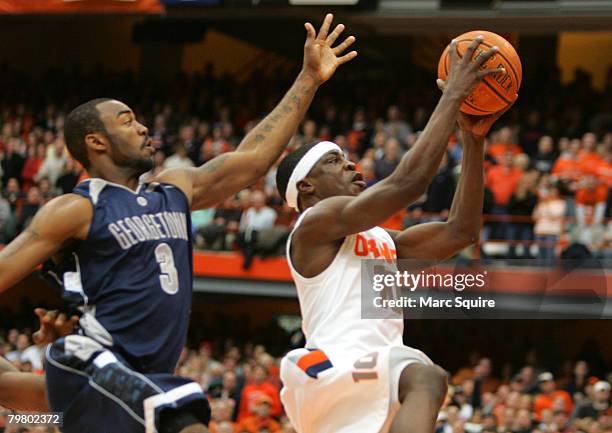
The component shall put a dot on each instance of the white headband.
(303, 167)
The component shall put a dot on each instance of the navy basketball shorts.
(98, 392)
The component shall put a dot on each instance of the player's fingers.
(40, 312)
(311, 34)
(441, 84)
(344, 45)
(484, 57)
(334, 35)
(487, 72)
(452, 51)
(347, 57)
(61, 319)
(467, 56)
(49, 317)
(325, 27)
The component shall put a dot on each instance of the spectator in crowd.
(598, 405)
(502, 180)
(179, 159)
(395, 126)
(257, 218)
(546, 156)
(441, 190)
(549, 217)
(33, 203)
(521, 205)
(384, 166)
(590, 209)
(532, 133)
(578, 380)
(54, 162)
(11, 161)
(261, 420)
(588, 158)
(69, 177)
(503, 142)
(550, 397)
(35, 160)
(258, 386)
(567, 166)
(230, 389)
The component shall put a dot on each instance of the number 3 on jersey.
(169, 276)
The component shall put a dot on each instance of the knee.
(428, 379)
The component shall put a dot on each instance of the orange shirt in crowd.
(502, 183)
(498, 150)
(603, 171)
(588, 162)
(566, 168)
(590, 197)
(254, 424)
(546, 401)
(249, 395)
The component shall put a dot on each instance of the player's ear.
(305, 187)
(96, 141)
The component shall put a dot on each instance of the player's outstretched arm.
(21, 391)
(264, 144)
(440, 240)
(342, 216)
(60, 221)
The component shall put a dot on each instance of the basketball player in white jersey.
(355, 375)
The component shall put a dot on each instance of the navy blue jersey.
(133, 274)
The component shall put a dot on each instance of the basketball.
(495, 92)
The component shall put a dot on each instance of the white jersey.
(331, 301)
(346, 380)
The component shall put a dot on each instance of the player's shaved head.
(83, 120)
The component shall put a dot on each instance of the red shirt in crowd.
(498, 150)
(546, 401)
(502, 182)
(590, 197)
(567, 168)
(588, 162)
(249, 396)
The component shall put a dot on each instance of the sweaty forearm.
(270, 137)
(465, 217)
(418, 166)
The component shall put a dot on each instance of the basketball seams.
(516, 77)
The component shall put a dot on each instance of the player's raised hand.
(52, 326)
(478, 126)
(466, 73)
(321, 59)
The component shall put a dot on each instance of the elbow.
(464, 236)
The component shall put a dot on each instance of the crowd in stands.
(548, 161)
(242, 382)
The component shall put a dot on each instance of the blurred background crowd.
(242, 381)
(548, 161)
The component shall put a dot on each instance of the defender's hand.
(465, 74)
(478, 126)
(320, 59)
(52, 326)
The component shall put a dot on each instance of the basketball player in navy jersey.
(127, 256)
(337, 228)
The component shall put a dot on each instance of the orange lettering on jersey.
(361, 246)
(365, 246)
(373, 248)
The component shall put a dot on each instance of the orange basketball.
(497, 91)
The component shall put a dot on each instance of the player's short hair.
(83, 120)
(287, 166)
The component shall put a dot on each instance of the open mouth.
(358, 180)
